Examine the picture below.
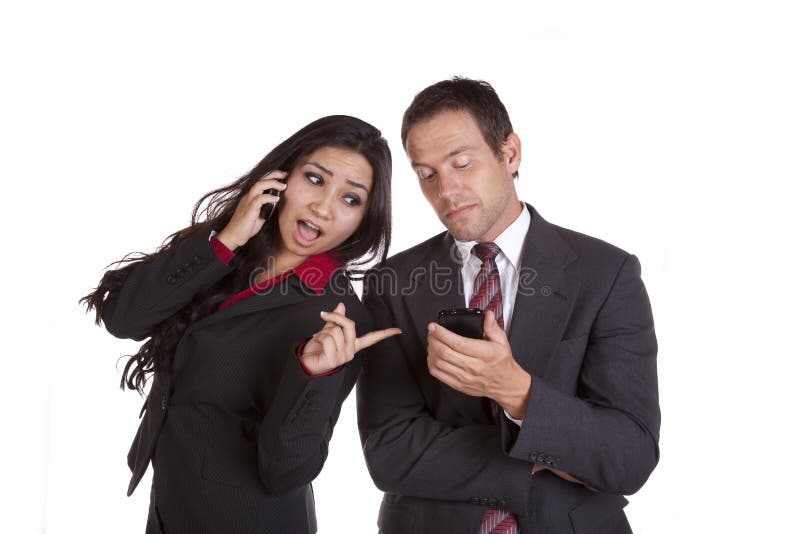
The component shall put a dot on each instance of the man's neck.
(506, 219)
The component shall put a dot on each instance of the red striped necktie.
(487, 296)
(486, 293)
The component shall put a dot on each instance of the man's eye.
(462, 165)
(426, 177)
(315, 179)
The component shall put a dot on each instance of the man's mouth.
(457, 212)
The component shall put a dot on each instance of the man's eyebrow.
(452, 153)
(459, 150)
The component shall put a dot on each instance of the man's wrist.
(515, 398)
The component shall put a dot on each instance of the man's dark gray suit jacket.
(582, 326)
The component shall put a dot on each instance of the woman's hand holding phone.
(336, 343)
(246, 220)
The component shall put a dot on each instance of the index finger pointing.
(370, 338)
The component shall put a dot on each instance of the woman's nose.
(321, 206)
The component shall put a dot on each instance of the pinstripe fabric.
(487, 296)
(239, 431)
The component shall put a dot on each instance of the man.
(542, 425)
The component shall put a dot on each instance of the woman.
(253, 332)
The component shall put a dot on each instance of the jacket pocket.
(393, 519)
(141, 451)
(600, 513)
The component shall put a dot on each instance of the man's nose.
(449, 185)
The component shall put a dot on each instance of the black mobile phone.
(467, 322)
(269, 208)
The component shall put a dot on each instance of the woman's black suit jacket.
(237, 431)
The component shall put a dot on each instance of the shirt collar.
(511, 240)
(317, 270)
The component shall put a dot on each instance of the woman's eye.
(352, 200)
(315, 179)
(462, 165)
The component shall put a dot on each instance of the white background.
(670, 129)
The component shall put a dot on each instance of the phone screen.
(467, 322)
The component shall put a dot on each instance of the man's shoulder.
(589, 246)
(581, 251)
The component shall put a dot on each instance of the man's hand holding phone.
(479, 367)
(459, 356)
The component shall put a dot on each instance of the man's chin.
(461, 233)
(464, 228)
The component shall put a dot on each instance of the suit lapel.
(436, 285)
(289, 292)
(545, 296)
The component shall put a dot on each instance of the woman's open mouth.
(306, 232)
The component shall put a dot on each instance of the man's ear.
(511, 152)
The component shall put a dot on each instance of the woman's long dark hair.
(213, 212)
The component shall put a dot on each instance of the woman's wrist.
(227, 240)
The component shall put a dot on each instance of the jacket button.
(164, 402)
(171, 279)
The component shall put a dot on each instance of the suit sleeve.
(156, 290)
(409, 452)
(294, 436)
(607, 435)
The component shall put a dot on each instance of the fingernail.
(431, 327)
